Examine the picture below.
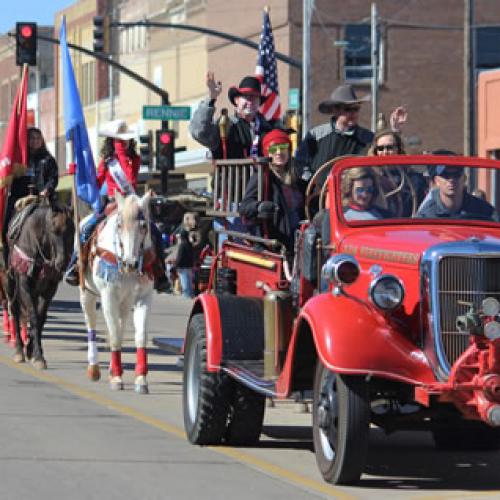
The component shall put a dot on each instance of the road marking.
(242, 457)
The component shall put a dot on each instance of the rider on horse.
(118, 169)
(39, 178)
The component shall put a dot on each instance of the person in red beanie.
(284, 208)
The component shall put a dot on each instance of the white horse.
(119, 272)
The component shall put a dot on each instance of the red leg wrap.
(116, 363)
(141, 365)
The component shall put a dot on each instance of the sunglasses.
(368, 190)
(456, 174)
(350, 109)
(385, 147)
(277, 148)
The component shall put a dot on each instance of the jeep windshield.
(445, 189)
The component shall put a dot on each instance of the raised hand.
(398, 118)
(214, 88)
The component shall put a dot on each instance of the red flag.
(14, 155)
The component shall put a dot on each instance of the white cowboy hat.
(117, 129)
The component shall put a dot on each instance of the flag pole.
(76, 214)
(21, 96)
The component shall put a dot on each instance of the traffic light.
(98, 34)
(26, 44)
(165, 150)
(146, 150)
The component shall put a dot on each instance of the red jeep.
(389, 314)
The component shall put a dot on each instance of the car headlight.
(492, 330)
(386, 292)
(341, 269)
(490, 306)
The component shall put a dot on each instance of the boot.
(72, 275)
(162, 285)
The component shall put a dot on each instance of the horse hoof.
(141, 389)
(116, 384)
(39, 364)
(93, 373)
(19, 357)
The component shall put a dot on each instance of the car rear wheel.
(467, 436)
(245, 417)
(340, 425)
(205, 394)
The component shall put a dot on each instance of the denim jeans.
(186, 278)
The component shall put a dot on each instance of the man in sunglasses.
(341, 135)
(450, 199)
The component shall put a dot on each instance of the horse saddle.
(18, 220)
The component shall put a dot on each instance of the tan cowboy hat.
(117, 129)
(344, 94)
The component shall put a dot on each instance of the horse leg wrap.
(5, 322)
(92, 353)
(141, 365)
(116, 363)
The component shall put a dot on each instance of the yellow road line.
(246, 458)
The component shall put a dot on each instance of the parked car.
(388, 320)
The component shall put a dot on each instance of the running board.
(248, 379)
(169, 345)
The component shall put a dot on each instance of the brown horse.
(38, 258)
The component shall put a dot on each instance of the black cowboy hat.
(342, 95)
(248, 86)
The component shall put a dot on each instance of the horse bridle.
(123, 267)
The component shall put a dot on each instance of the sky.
(38, 11)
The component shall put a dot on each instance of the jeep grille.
(468, 279)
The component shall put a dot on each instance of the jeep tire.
(341, 420)
(245, 417)
(205, 394)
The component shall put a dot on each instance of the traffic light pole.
(105, 58)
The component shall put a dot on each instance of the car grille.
(467, 279)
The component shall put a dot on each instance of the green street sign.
(293, 98)
(166, 112)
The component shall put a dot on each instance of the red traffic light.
(26, 31)
(165, 138)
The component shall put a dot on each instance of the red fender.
(209, 304)
(353, 337)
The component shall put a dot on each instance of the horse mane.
(130, 211)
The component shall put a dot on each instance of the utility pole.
(306, 64)
(466, 75)
(374, 60)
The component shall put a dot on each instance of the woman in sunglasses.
(284, 208)
(359, 192)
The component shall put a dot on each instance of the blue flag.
(76, 130)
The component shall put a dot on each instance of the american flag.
(267, 72)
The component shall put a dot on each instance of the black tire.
(467, 436)
(245, 417)
(341, 422)
(205, 394)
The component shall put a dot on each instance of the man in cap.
(450, 199)
(245, 127)
(340, 136)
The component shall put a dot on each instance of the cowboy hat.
(342, 95)
(248, 86)
(117, 129)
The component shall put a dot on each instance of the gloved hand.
(266, 210)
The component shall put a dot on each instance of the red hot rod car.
(388, 313)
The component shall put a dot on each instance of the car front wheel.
(206, 395)
(341, 419)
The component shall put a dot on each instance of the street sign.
(166, 112)
(293, 98)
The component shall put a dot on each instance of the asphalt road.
(63, 436)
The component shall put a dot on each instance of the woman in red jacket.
(119, 170)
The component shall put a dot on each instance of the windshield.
(418, 192)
